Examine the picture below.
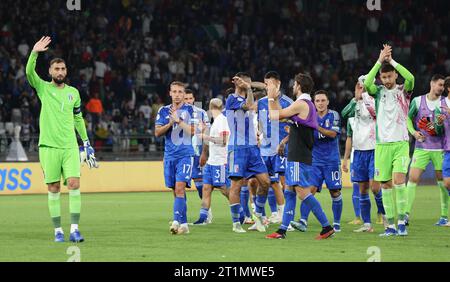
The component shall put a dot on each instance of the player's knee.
(439, 175)
(414, 178)
(179, 191)
(54, 187)
(73, 184)
(400, 179)
(335, 193)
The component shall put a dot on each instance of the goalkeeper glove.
(87, 155)
(427, 125)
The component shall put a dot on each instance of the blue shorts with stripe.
(197, 171)
(330, 174)
(245, 162)
(363, 166)
(298, 174)
(276, 166)
(178, 170)
(215, 175)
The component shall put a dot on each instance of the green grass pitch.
(135, 227)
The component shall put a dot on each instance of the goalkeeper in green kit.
(59, 154)
(392, 139)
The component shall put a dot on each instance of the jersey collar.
(305, 96)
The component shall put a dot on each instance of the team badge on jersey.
(70, 97)
(327, 123)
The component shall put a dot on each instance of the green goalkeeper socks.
(402, 200)
(75, 206)
(54, 206)
(388, 203)
(444, 199)
(411, 188)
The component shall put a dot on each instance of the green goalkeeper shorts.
(390, 158)
(57, 162)
(421, 158)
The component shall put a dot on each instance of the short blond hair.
(178, 83)
(216, 103)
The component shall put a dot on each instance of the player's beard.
(59, 80)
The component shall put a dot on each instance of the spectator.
(95, 108)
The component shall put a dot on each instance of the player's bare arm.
(348, 150)
(247, 85)
(221, 140)
(369, 83)
(327, 132)
(161, 130)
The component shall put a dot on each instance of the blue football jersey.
(272, 131)
(241, 122)
(177, 143)
(325, 149)
(199, 116)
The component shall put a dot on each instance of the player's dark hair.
(437, 77)
(385, 67)
(57, 61)
(322, 92)
(306, 82)
(189, 91)
(242, 74)
(447, 84)
(272, 74)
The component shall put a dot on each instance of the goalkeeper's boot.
(402, 230)
(442, 222)
(389, 232)
(407, 219)
(59, 237)
(76, 237)
(301, 225)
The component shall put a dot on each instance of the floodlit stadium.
(228, 131)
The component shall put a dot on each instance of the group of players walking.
(277, 148)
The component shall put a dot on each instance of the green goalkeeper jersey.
(60, 112)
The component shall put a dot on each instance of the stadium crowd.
(122, 55)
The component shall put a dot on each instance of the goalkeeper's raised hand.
(87, 155)
(42, 44)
